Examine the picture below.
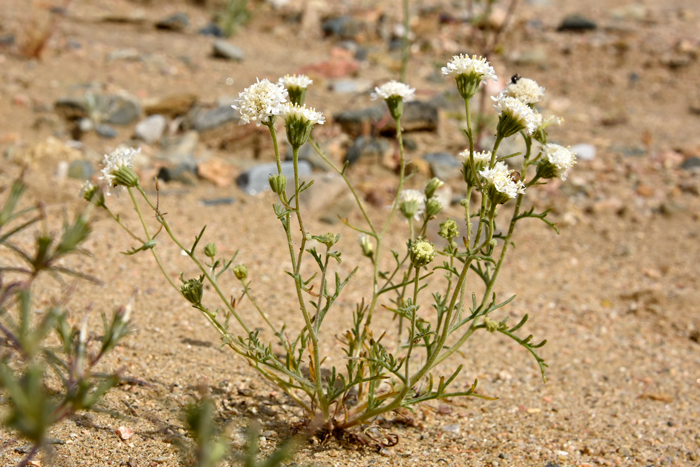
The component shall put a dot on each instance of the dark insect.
(515, 176)
(515, 78)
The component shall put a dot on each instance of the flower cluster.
(394, 89)
(525, 90)
(515, 116)
(299, 121)
(261, 102)
(469, 72)
(502, 180)
(422, 253)
(296, 87)
(556, 161)
(411, 203)
(118, 169)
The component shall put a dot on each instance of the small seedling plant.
(379, 375)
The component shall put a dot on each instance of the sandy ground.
(616, 294)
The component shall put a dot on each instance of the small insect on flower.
(514, 79)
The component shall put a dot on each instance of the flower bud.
(448, 230)
(433, 207)
(210, 250)
(328, 239)
(278, 183)
(491, 325)
(433, 184)
(193, 290)
(125, 176)
(92, 194)
(422, 253)
(367, 246)
(241, 272)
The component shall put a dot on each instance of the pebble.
(443, 165)
(209, 119)
(451, 428)
(151, 128)
(125, 432)
(80, 170)
(344, 27)
(177, 22)
(105, 131)
(692, 163)
(228, 51)
(171, 106)
(218, 201)
(584, 152)
(368, 149)
(211, 29)
(577, 23)
(180, 151)
(417, 116)
(624, 451)
(216, 171)
(117, 109)
(7, 40)
(254, 180)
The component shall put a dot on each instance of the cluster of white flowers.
(298, 81)
(411, 203)
(260, 101)
(525, 90)
(501, 177)
(520, 112)
(560, 157)
(303, 113)
(465, 65)
(479, 157)
(394, 88)
(117, 159)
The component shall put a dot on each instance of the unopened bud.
(241, 272)
(278, 183)
(433, 184)
(210, 250)
(193, 290)
(433, 207)
(367, 246)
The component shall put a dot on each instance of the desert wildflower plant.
(385, 369)
(45, 381)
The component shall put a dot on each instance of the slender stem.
(298, 211)
(148, 236)
(118, 221)
(405, 47)
(317, 319)
(472, 166)
(246, 291)
(412, 332)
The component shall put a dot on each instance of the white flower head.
(260, 102)
(411, 203)
(479, 157)
(501, 178)
(297, 81)
(525, 90)
(465, 65)
(303, 113)
(394, 88)
(521, 114)
(113, 162)
(561, 158)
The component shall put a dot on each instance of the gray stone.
(228, 51)
(443, 165)
(209, 119)
(417, 116)
(584, 152)
(80, 170)
(577, 23)
(254, 180)
(151, 128)
(72, 108)
(177, 22)
(85, 125)
(105, 131)
(345, 27)
(180, 151)
(352, 121)
(211, 29)
(113, 108)
(451, 428)
(368, 149)
(692, 163)
(218, 201)
(181, 173)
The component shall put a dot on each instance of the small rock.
(444, 409)
(624, 451)
(269, 434)
(85, 125)
(71, 108)
(115, 109)
(177, 22)
(451, 428)
(151, 129)
(584, 152)
(216, 171)
(182, 173)
(209, 119)
(344, 27)
(254, 180)
(577, 23)
(657, 396)
(105, 131)
(443, 165)
(551, 464)
(125, 432)
(692, 163)
(180, 151)
(671, 208)
(228, 51)
(80, 170)
(7, 40)
(123, 54)
(610, 205)
(211, 29)
(171, 106)
(417, 116)
(218, 201)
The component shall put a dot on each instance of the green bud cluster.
(422, 253)
(193, 290)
